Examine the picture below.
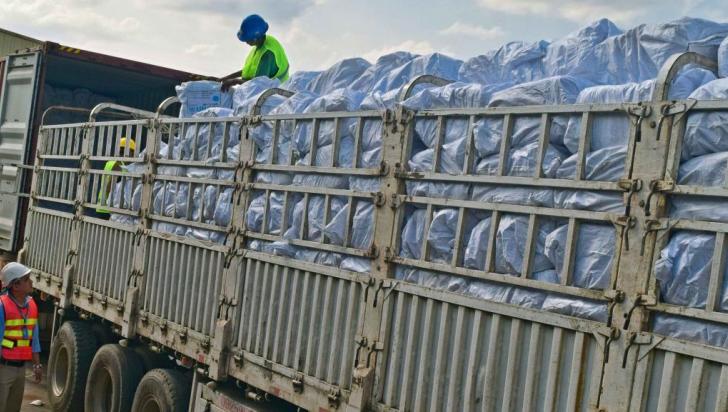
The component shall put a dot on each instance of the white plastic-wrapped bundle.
(477, 245)
(200, 95)
(340, 75)
(602, 165)
(532, 298)
(575, 53)
(197, 146)
(723, 58)
(595, 249)
(612, 129)
(256, 211)
(683, 270)
(639, 53)
(435, 64)
(433, 280)
(299, 81)
(379, 69)
(224, 208)
(577, 307)
(511, 240)
(707, 170)
(705, 132)
(679, 327)
(453, 145)
(521, 162)
(441, 236)
(488, 131)
(242, 93)
(516, 62)
(263, 137)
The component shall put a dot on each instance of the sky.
(199, 36)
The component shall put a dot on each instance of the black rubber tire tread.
(104, 334)
(80, 344)
(169, 388)
(152, 360)
(125, 370)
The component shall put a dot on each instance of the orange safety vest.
(19, 326)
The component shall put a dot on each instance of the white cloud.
(581, 11)
(413, 46)
(481, 32)
(205, 50)
(69, 15)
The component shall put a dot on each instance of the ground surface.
(35, 391)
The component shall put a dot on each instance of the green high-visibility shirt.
(269, 59)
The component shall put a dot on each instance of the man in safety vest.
(19, 332)
(116, 166)
(267, 58)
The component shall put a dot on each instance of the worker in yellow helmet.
(267, 58)
(112, 165)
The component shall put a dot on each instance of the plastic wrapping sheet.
(683, 270)
(612, 129)
(574, 52)
(723, 58)
(435, 64)
(521, 162)
(516, 62)
(477, 245)
(222, 216)
(602, 165)
(380, 69)
(595, 250)
(300, 81)
(362, 227)
(199, 95)
(694, 330)
(256, 211)
(243, 93)
(263, 136)
(532, 298)
(441, 236)
(707, 170)
(639, 53)
(577, 307)
(705, 131)
(511, 240)
(195, 142)
(340, 75)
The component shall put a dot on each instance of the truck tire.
(112, 380)
(162, 390)
(68, 365)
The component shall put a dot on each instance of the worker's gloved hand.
(227, 84)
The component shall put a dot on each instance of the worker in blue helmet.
(266, 58)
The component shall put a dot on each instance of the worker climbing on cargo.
(104, 196)
(19, 332)
(266, 58)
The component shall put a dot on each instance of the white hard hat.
(13, 271)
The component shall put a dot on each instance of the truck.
(143, 316)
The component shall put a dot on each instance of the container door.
(18, 91)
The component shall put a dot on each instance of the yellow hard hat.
(130, 143)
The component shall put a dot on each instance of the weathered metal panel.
(104, 259)
(47, 244)
(446, 356)
(671, 381)
(183, 283)
(300, 319)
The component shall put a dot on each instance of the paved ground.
(35, 391)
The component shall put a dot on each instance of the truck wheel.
(70, 358)
(112, 380)
(162, 390)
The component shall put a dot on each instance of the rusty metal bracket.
(334, 397)
(608, 332)
(623, 224)
(297, 383)
(672, 110)
(652, 225)
(639, 112)
(637, 339)
(657, 186)
(639, 300)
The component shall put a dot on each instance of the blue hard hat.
(252, 28)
